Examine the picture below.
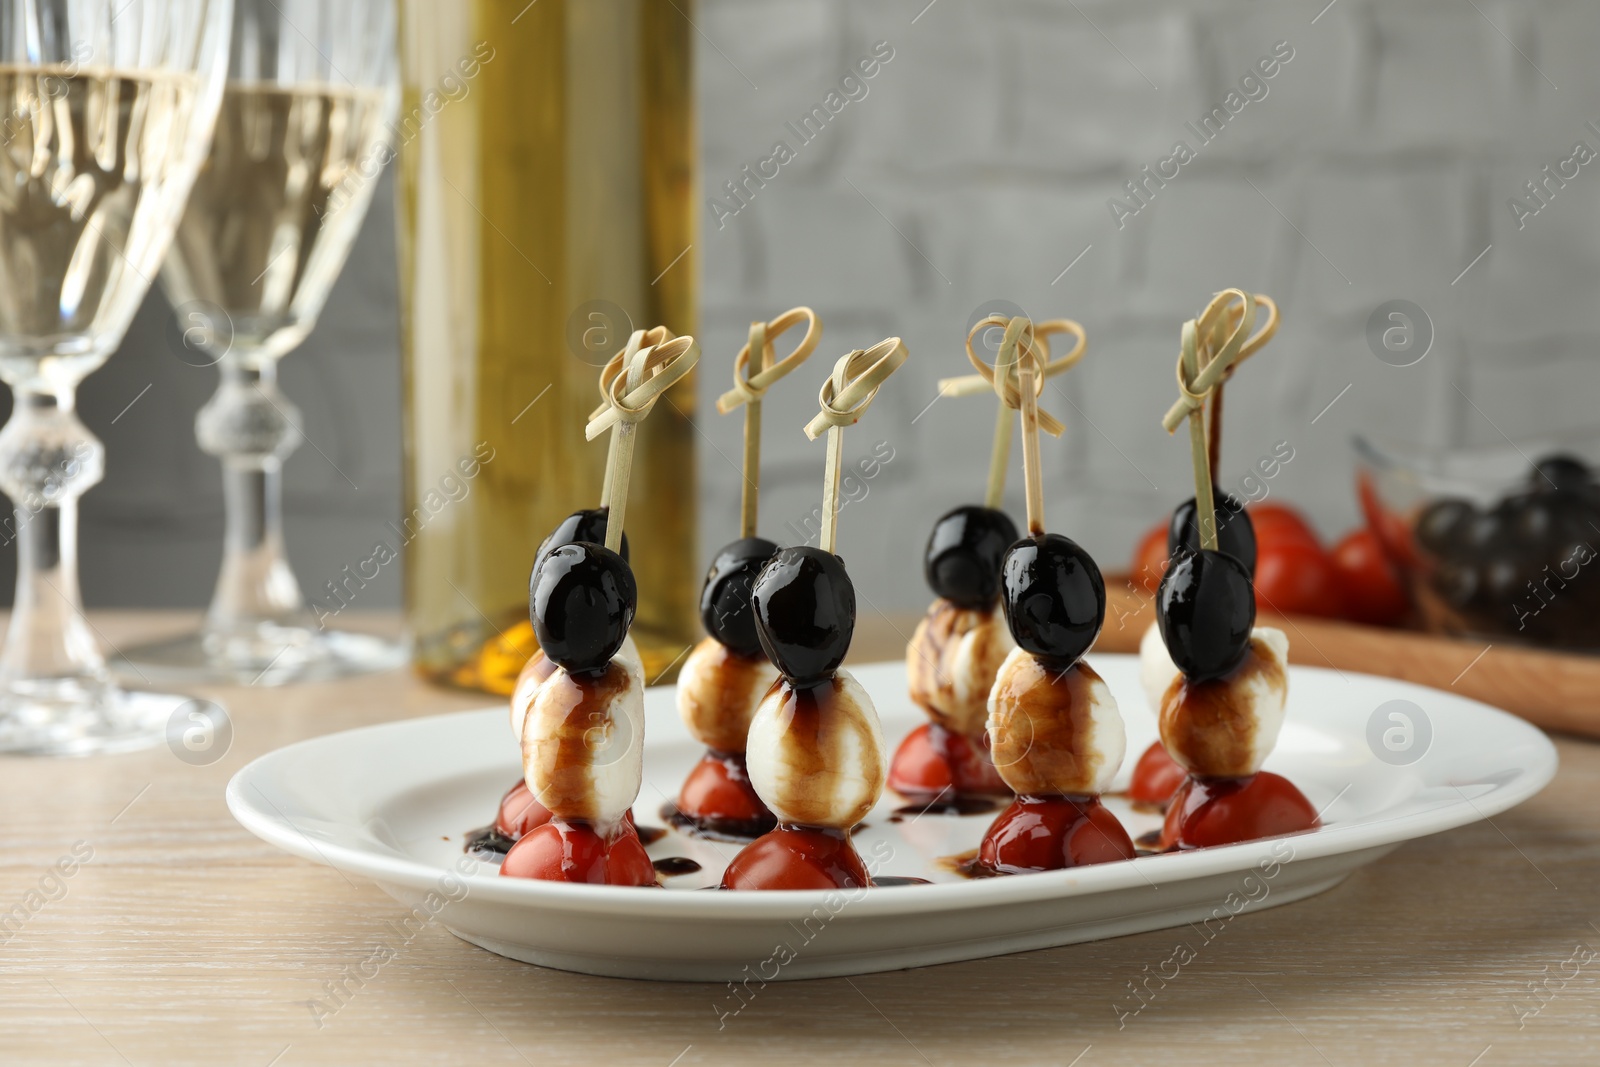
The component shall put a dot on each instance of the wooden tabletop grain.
(179, 938)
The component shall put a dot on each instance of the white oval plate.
(394, 802)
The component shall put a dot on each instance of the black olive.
(805, 613)
(725, 602)
(1560, 472)
(965, 549)
(1206, 609)
(1442, 527)
(1236, 534)
(1055, 598)
(582, 604)
(587, 525)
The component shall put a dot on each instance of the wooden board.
(1554, 691)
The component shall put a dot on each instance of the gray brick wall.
(978, 165)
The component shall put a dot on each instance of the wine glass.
(110, 106)
(301, 139)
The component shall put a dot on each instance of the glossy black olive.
(1236, 534)
(1442, 527)
(587, 525)
(805, 613)
(726, 607)
(1055, 598)
(965, 549)
(1560, 473)
(1206, 609)
(582, 604)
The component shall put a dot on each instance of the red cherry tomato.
(562, 851)
(719, 789)
(1372, 591)
(1052, 833)
(520, 814)
(1295, 577)
(1224, 811)
(1277, 524)
(934, 763)
(1150, 559)
(1156, 777)
(792, 857)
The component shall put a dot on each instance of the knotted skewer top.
(633, 382)
(845, 397)
(854, 384)
(1038, 338)
(1211, 347)
(748, 387)
(1023, 341)
(754, 372)
(1214, 344)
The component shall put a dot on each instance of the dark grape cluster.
(1521, 567)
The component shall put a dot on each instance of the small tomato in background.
(1371, 588)
(1280, 524)
(1294, 576)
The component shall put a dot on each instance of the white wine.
(275, 209)
(547, 205)
(86, 158)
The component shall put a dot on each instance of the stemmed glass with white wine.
(301, 139)
(108, 111)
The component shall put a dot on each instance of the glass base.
(69, 717)
(264, 655)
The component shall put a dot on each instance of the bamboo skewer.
(750, 491)
(845, 397)
(614, 366)
(1018, 377)
(633, 385)
(1211, 347)
(1032, 479)
(749, 388)
(1036, 338)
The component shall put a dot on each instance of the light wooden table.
(186, 940)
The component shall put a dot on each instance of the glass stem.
(251, 426)
(47, 460)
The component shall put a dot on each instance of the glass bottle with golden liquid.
(547, 178)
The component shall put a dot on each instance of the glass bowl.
(1497, 543)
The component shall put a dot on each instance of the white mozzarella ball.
(583, 744)
(718, 693)
(537, 669)
(816, 758)
(1157, 672)
(1226, 727)
(952, 660)
(1054, 732)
